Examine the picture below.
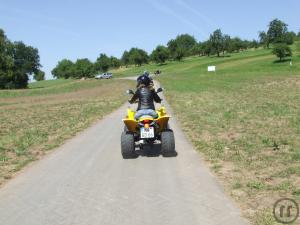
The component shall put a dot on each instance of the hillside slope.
(244, 119)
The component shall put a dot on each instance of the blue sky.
(83, 29)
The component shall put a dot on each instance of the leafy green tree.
(227, 44)
(26, 62)
(84, 68)
(138, 56)
(277, 31)
(144, 55)
(39, 75)
(207, 48)
(6, 61)
(290, 37)
(197, 49)
(102, 63)
(179, 54)
(254, 44)
(172, 46)
(186, 42)
(182, 44)
(298, 47)
(217, 40)
(115, 62)
(27, 59)
(125, 58)
(237, 44)
(282, 50)
(264, 39)
(17, 62)
(64, 69)
(246, 44)
(160, 54)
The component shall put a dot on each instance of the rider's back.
(146, 97)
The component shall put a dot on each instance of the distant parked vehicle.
(104, 76)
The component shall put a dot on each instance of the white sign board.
(211, 68)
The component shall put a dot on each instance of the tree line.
(277, 36)
(182, 46)
(17, 62)
(85, 68)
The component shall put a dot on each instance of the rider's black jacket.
(146, 97)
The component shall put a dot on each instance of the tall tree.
(227, 44)
(125, 58)
(254, 44)
(64, 69)
(197, 49)
(282, 50)
(298, 47)
(160, 54)
(84, 68)
(102, 63)
(264, 39)
(207, 48)
(39, 75)
(138, 56)
(115, 62)
(216, 38)
(290, 37)
(182, 45)
(17, 62)
(6, 61)
(237, 44)
(277, 31)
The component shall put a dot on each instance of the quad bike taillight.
(146, 124)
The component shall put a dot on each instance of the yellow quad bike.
(147, 131)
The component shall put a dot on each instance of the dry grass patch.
(29, 126)
(250, 136)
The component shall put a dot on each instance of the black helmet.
(144, 80)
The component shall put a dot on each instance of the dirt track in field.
(86, 181)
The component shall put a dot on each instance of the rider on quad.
(146, 95)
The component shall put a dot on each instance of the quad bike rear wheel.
(168, 143)
(127, 145)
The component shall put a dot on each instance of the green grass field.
(42, 117)
(245, 121)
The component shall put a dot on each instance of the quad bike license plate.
(147, 132)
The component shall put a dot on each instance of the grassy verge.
(42, 117)
(245, 120)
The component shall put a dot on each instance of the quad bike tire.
(168, 143)
(127, 145)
